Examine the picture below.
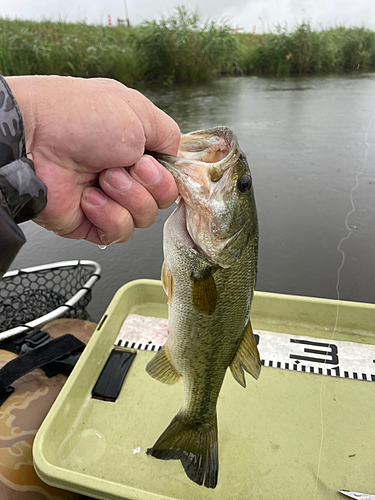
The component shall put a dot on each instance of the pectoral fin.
(246, 357)
(167, 281)
(162, 369)
(204, 294)
(164, 278)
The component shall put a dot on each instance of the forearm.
(22, 195)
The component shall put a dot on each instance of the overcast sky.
(263, 14)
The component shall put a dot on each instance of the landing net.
(31, 297)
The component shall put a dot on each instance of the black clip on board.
(109, 383)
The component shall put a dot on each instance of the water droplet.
(102, 247)
(82, 448)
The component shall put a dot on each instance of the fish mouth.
(203, 157)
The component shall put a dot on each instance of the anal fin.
(162, 369)
(246, 357)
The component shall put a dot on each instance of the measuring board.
(276, 350)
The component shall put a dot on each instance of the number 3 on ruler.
(331, 356)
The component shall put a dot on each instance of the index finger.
(162, 134)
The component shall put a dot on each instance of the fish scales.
(209, 274)
(187, 349)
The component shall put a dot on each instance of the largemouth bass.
(209, 274)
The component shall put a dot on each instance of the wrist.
(22, 88)
(22, 195)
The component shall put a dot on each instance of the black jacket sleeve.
(22, 195)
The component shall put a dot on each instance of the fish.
(210, 245)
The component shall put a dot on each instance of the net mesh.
(29, 295)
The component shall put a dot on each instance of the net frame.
(68, 305)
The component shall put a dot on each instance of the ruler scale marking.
(277, 350)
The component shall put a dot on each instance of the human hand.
(87, 139)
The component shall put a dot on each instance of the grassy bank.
(305, 51)
(180, 48)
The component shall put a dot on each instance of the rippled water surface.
(311, 147)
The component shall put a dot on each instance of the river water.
(310, 143)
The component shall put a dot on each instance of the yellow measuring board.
(289, 435)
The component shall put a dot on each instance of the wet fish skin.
(209, 274)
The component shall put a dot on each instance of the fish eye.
(244, 183)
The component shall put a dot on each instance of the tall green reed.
(66, 49)
(308, 51)
(179, 48)
(182, 48)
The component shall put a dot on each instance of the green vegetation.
(180, 48)
(183, 49)
(304, 51)
(28, 47)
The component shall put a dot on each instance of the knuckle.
(169, 195)
(121, 230)
(126, 227)
(146, 219)
(175, 132)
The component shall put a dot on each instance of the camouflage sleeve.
(22, 195)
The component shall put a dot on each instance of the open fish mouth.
(213, 146)
(203, 157)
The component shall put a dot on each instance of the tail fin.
(195, 445)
